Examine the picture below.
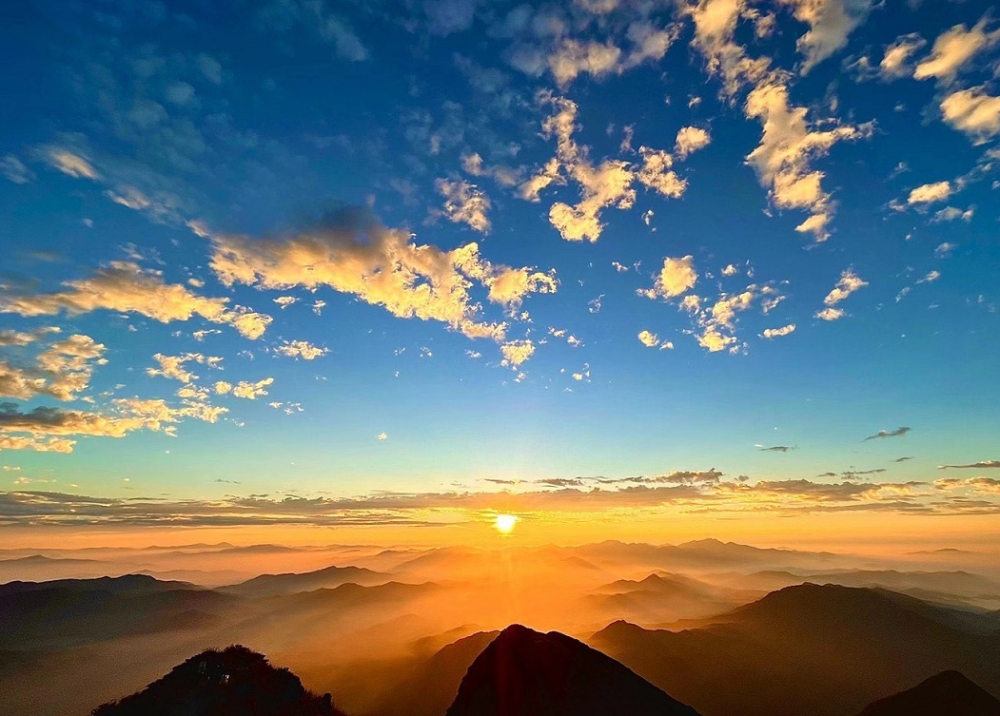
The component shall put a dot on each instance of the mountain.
(128, 584)
(808, 649)
(946, 693)
(269, 585)
(707, 554)
(526, 673)
(233, 681)
(71, 612)
(934, 584)
(433, 683)
(661, 597)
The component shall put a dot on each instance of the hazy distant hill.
(708, 554)
(268, 585)
(946, 694)
(821, 650)
(232, 682)
(64, 613)
(954, 586)
(526, 673)
(660, 597)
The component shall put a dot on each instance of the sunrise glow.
(505, 523)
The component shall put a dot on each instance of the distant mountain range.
(406, 632)
(809, 649)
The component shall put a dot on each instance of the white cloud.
(250, 390)
(516, 352)
(62, 370)
(354, 254)
(300, 349)
(783, 158)
(830, 314)
(778, 332)
(973, 112)
(895, 62)
(650, 340)
(172, 367)
(464, 204)
(604, 185)
(952, 49)
(849, 283)
(127, 288)
(677, 276)
(830, 22)
(285, 301)
(953, 213)
(930, 193)
(71, 164)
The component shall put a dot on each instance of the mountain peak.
(235, 680)
(949, 692)
(527, 673)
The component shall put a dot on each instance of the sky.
(644, 268)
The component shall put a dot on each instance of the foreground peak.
(949, 692)
(524, 672)
(234, 680)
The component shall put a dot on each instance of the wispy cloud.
(982, 464)
(897, 433)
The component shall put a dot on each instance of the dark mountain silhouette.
(432, 684)
(822, 650)
(269, 585)
(72, 612)
(233, 682)
(128, 584)
(526, 673)
(946, 694)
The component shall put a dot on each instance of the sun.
(505, 523)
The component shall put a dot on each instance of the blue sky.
(345, 249)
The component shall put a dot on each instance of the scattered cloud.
(981, 465)
(650, 340)
(353, 253)
(677, 277)
(849, 283)
(973, 112)
(897, 433)
(778, 332)
(300, 349)
(604, 185)
(71, 164)
(464, 204)
(61, 369)
(125, 287)
(15, 170)
(690, 140)
(930, 193)
(250, 390)
(953, 49)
